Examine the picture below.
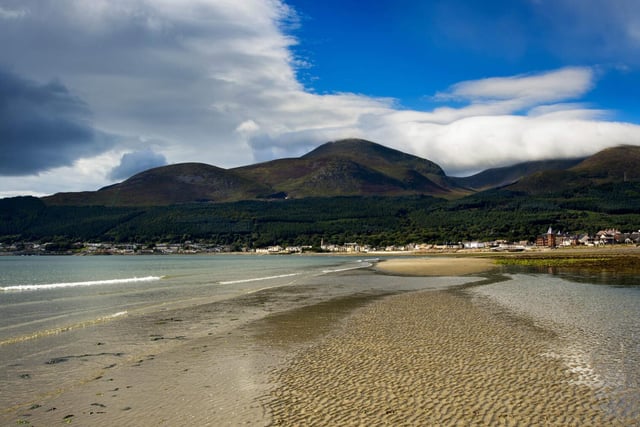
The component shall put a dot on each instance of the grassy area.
(620, 261)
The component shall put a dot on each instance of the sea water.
(597, 324)
(46, 294)
(65, 319)
(62, 316)
(39, 295)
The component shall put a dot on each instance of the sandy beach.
(429, 357)
(436, 358)
(433, 358)
(435, 266)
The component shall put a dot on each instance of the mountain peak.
(172, 184)
(373, 154)
(620, 163)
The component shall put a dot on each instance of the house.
(474, 245)
(608, 237)
(586, 240)
(631, 238)
(547, 240)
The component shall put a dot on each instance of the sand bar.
(433, 358)
(332, 357)
(435, 266)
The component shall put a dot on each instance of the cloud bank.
(136, 161)
(43, 126)
(215, 81)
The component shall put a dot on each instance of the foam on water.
(39, 287)
(364, 264)
(257, 279)
(47, 332)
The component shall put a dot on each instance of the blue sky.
(412, 49)
(92, 92)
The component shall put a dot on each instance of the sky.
(92, 92)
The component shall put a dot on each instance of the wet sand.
(334, 357)
(435, 266)
(433, 358)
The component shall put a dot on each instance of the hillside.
(499, 177)
(610, 166)
(343, 168)
(614, 164)
(382, 201)
(167, 185)
(354, 167)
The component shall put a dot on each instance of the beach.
(433, 358)
(363, 347)
(435, 266)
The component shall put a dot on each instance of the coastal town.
(549, 240)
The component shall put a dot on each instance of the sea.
(62, 318)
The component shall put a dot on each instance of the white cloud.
(12, 13)
(475, 143)
(548, 86)
(84, 174)
(215, 81)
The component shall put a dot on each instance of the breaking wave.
(31, 287)
(257, 279)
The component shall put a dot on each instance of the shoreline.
(447, 252)
(398, 356)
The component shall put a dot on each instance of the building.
(547, 240)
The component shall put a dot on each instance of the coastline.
(438, 357)
(397, 356)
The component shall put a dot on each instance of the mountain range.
(351, 167)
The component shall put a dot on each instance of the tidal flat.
(339, 346)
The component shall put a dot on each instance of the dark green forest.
(377, 221)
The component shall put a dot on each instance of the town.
(548, 240)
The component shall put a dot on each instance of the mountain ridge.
(611, 165)
(507, 175)
(350, 167)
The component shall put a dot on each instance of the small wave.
(257, 279)
(47, 332)
(74, 284)
(363, 264)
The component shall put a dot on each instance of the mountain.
(610, 166)
(384, 200)
(352, 167)
(166, 185)
(342, 168)
(500, 177)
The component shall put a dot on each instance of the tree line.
(377, 221)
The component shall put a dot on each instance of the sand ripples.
(434, 358)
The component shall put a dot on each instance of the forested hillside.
(496, 214)
(345, 191)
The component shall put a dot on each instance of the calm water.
(65, 320)
(41, 294)
(115, 301)
(598, 326)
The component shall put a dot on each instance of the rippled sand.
(342, 357)
(433, 358)
(435, 266)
